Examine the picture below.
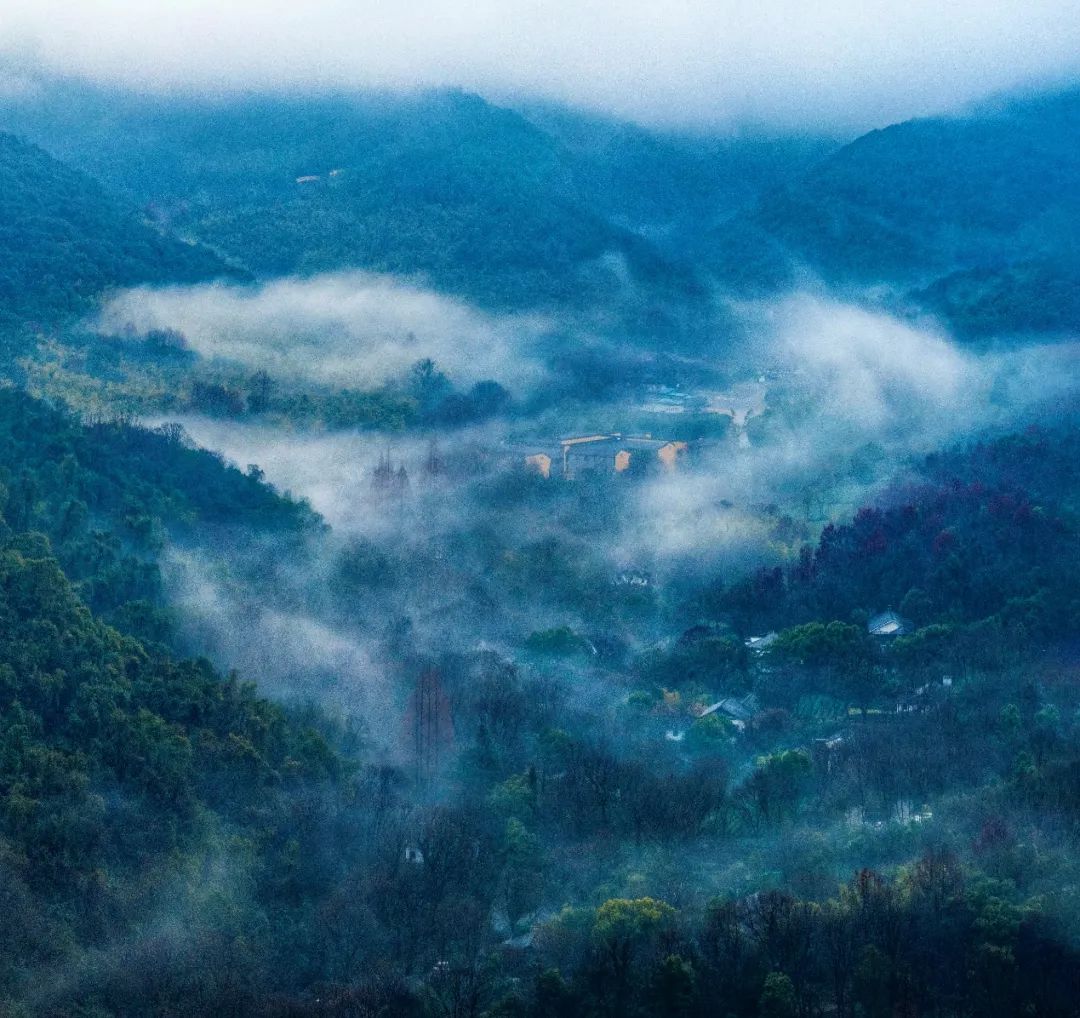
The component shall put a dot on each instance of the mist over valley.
(503, 519)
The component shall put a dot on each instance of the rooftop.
(888, 623)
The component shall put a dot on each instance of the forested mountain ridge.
(64, 239)
(506, 209)
(445, 187)
(549, 208)
(136, 790)
(959, 545)
(974, 212)
(132, 787)
(671, 187)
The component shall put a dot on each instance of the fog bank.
(348, 328)
(696, 62)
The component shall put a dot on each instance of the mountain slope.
(64, 239)
(982, 198)
(670, 186)
(468, 196)
(524, 210)
(139, 797)
(107, 495)
(471, 197)
(1038, 295)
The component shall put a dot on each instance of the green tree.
(777, 997)
(777, 784)
(673, 992)
(625, 932)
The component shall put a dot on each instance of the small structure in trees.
(888, 623)
(740, 709)
(603, 454)
(824, 750)
(760, 644)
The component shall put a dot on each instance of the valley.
(469, 556)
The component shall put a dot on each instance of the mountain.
(974, 214)
(135, 787)
(106, 495)
(1037, 295)
(64, 239)
(524, 210)
(544, 208)
(670, 186)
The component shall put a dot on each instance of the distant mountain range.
(972, 218)
(533, 209)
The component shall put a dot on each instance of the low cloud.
(778, 62)
(853, 398)
(856, 395)
(870, 373)
(291, 655)
(351, 329)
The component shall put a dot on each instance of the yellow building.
(607, 454)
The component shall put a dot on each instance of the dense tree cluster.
(108, 494)
(477, 199)
(64, 239)
(991, 534)
(928, 940)
(172, 842)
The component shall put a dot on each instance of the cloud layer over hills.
(780, 62)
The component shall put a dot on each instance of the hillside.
(545, 208)
(107, 496)
(972, 212)
(523, 210)
(986, 540)
(670, 186)
(134, 792)
(171, 842)
(64, 239)
(140, 794)
(1037, 295)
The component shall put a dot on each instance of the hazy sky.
(843, 62)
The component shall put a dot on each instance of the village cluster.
(574, 457)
